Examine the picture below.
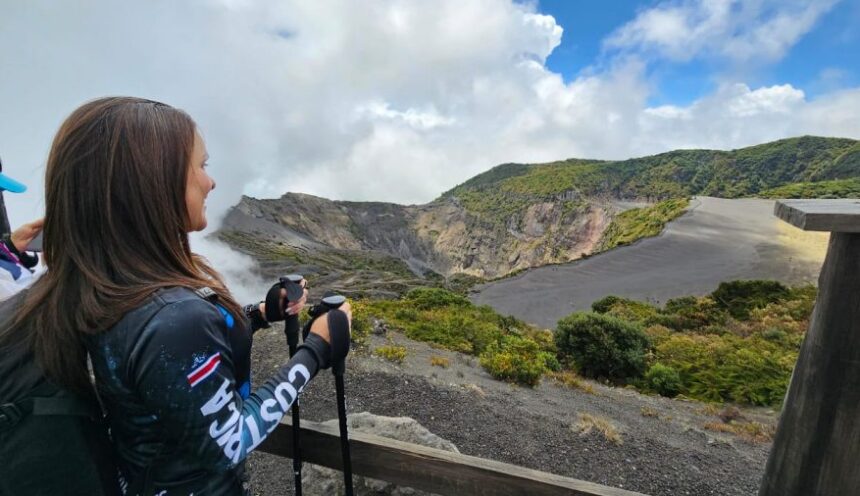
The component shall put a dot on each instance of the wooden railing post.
(817, 444)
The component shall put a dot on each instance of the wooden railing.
(427, 469)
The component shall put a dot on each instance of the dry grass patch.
(752, 432)
(710, 409)
(570, 380)
(587, 423)
(438, 361)
(475, 389)
(391, 353)
(647, 411)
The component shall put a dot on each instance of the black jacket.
(174, 377)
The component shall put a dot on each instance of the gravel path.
(716, 240)
(664, 453)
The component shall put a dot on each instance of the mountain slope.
(517, 216)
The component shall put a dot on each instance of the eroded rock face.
(318, 480)
(440, 237)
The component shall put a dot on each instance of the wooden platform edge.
(818, 215)
(424, 468)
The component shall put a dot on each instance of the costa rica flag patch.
(204, 370)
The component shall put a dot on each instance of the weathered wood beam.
(427, 469)
(820, 215)
(817, 442)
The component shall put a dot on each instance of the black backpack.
(51, 440)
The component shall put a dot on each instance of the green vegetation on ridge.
(682, 173)
(837, 188)
(637, 223)
(739, 344)
(508, 348)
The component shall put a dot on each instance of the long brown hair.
(115, 230)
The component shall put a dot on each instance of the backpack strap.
(61, 403)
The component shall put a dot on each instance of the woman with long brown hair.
(125, 183)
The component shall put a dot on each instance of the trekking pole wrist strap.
(338, 328)
(252, 311)
(319, 349)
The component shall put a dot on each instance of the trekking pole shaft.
(291, 328)
(344, 434)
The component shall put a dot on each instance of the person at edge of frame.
(16, 265)
(126, 182)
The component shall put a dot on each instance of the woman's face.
(198, 186)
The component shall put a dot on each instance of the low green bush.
(602, 346)
(690, 313)
(392, 353)
(508, 348)
(515, 359)
(663, 380)
(729, 368)
(739, 298)
(627, 309)
(428, 298)
(361, 323)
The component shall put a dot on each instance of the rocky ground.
(663, 449)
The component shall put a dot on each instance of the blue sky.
(825, 59)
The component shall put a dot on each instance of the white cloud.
(736, 116)
(417, 119)
(388, 100)
(738, 30)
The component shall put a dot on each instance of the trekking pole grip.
(295, 292)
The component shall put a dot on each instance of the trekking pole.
(292, 284)
(291, 329)
(331, 302)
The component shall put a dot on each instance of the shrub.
(428, 298)
(602, 346)
(728, 368)
(690, 312)
(391, 353)
(663, 380)
(515, 359)
(657, 334)
(604, 304)
(627, 309)
(550, 360)
(740, 297)
(361, 323)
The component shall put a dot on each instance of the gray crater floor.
(716, 240)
